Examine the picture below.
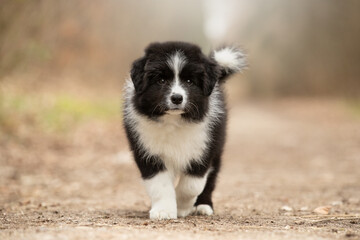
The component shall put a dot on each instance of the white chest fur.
(174, 140)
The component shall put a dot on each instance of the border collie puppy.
(175, 121)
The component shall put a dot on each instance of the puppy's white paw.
(161, 214)
(204, 209)
(185, 212)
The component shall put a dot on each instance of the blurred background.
(63, 51)
(295, 48)
(63, 64)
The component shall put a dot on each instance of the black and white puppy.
(175, 120)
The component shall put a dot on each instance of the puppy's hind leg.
(204, 204)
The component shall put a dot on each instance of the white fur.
(187, 190)
(176, 63)
(174, 140)
(204, 209)
(161, 191)
(177, 89)
(230, 58)
(177, 143)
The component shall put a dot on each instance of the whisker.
(158, 105)
(197, 109)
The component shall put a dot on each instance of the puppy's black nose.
(176, 99)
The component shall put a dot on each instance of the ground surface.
(283, 159)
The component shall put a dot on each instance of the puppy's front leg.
(162, 193)
(191, 184)
(187, 190)
(159, 185)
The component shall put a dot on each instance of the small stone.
(286, 208)
(323, 210)
(287, 227)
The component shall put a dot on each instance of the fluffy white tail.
(230, 59)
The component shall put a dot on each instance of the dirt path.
(282, 160)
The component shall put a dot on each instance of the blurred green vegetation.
(56, 113)
(69, 110)
(354, 107)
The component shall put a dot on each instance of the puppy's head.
(177, 78)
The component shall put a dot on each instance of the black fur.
(150, 93)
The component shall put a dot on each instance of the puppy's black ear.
(137, 74)
(211, 75)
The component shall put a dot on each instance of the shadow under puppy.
(175, 121)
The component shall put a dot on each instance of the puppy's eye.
(189, 82)
(161, 81)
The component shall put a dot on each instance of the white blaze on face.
(176, 62)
